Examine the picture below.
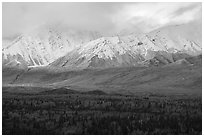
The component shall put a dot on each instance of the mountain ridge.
(91, 50)
(162, 46)
(44, 46)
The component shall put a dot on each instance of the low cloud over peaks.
(148, 16)
(108, 18)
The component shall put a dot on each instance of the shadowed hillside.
(177, 77)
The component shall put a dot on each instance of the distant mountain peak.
(161, 46)
(42, 46)
(84, 49)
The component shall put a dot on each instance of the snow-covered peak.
(163, 45)
(185, 38)
(76, 48)
(105, 47)
(42, 46)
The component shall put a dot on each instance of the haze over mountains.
(44, 45)
(87, 49)
(86, 60)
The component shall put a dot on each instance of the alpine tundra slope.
(166, 60)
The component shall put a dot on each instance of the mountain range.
(44, 45)
(163, 59)
(86, 49)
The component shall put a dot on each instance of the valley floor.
(100, 113)
(136, 100)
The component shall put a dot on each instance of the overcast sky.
(104, 17)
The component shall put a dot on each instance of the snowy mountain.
(42, 46)
(86, 49)
(103, 52)
(186, 38)
(162, 46)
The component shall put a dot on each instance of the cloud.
(20, 17)
(148, 16)
(108, 17)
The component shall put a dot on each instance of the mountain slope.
(183, 76)
(162, 46)
(42, 46)
(75, 49)
(103, 52)
(185, 38)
